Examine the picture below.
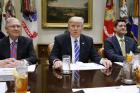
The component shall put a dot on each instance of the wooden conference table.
(46, 80)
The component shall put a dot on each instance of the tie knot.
(122, 40)
(14, 43)
(75, 40)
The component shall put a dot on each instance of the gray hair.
(8, 20)
(76, 19)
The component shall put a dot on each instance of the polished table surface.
(46, 80)
(59, 83)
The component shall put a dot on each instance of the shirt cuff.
(55, 60)
(102, 60)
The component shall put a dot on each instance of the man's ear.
(115, 29)
(6, 28)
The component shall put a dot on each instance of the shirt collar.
(119, 37)
(73, 39)
(12, 40)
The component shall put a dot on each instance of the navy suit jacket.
(62, 46)
(113, 51)
(25, 49)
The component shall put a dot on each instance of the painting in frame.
(55, 13)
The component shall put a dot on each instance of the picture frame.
(55, 13)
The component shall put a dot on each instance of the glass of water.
(66, 64)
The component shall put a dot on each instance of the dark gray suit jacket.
(62, 46)
(113, 51)
(25, 49)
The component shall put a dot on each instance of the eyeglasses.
(15, 26)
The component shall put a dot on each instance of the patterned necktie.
(123, 47)
(76, 78)
(13, 50)
(76, 51)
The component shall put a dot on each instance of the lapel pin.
(83, 43)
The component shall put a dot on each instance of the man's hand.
(107, 63)
(57, 65)
(9, 62)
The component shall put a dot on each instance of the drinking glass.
(137, 70)
(66, 64)
(21, 78)
(128, 74)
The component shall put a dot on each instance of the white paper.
(31, 68)
(3, 87)
(115, 89)
(119, 63)
(9, 71)
(6, 71)
(85, 66)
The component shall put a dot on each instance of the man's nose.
(75, 27)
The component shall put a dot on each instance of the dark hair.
(117, 21)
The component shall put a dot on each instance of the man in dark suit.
(113, 45)
(64, 45)
(23, 46)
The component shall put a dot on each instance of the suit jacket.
(1, 35)
(113, 51)
(25, 49)
(62, 46)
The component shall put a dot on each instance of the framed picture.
(55, 13)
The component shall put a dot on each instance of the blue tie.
(76, 78)
(76, 50)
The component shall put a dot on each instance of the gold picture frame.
(55, 13)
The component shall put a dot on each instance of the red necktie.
(13, 51)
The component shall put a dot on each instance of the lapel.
(82, 46)
(7, 47)
(117, 45)
(19, 46)
(68, 44)
(126, 45)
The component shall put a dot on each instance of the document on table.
(3, 87)
(9, 71)
(31, 68)
(85, 66)
(115, 89)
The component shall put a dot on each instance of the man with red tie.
(15, 48)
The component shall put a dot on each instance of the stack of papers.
(6, 74)
(116, 89)
(85, 66)
(9, 71)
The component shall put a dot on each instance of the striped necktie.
(76, 78)
(76, 51)
(13, 50)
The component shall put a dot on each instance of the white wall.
(47, 35)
